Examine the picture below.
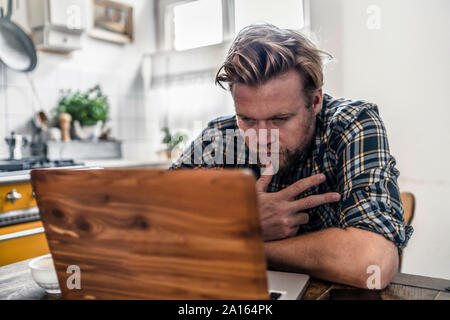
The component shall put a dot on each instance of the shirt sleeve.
(367, 179)
(187, 160)
(204, 152)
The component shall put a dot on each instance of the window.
(284, 14)
(193, 36)
(197, 24)
(188, 24)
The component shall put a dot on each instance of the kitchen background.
(394, 53)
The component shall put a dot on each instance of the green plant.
(87, 107)
(172, 140)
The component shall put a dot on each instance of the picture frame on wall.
(112, 21)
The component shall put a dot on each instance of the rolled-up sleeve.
(368, 181)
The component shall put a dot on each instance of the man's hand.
(281, 215)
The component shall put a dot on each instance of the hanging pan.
(17, 51)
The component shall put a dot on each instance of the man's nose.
(262, 125)
(266, 135)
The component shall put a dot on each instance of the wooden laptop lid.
(153, 234)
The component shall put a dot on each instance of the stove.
(13, 171)
(35, 163)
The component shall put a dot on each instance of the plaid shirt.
(350, 147)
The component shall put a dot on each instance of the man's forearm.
(338, 255)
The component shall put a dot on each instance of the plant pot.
(91, 132)
(169, 154)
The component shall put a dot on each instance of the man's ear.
(317, 101)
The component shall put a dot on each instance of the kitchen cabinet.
(16, 196)
(22, 241)
(25, 240)
(65, 14)
(58, 24)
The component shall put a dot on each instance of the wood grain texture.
(400, 292)
(154, 234)
(16, 283)
(421, 281)
(320, 290)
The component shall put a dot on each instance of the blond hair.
(264, 51)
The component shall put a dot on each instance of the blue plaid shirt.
(350, 147)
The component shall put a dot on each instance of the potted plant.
(89, 111)
(173, 143)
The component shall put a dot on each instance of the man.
(329, 204)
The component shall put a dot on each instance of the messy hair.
(263, 51)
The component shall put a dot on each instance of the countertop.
(23, 176)
(126, 163)
(16, 284)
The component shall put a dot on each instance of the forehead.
(282, 94)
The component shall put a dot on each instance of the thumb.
(264, 180)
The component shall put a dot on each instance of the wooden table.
(16, 283)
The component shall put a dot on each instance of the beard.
(289, 159)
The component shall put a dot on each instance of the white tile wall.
(127, 110)
(114, 67)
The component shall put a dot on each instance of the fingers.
(314, 201)
(296, 221)
(264, 180)
(302, 185)
(300, 218)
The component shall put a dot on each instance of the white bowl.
(44, 273)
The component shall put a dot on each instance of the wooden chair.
(409, 203)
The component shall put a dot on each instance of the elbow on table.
(390, 268)
(380, 270)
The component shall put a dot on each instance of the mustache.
(264, 149)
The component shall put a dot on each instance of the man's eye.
(246, 120)
(279, 120)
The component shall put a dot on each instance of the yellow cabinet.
(24, 240)
(16, 196)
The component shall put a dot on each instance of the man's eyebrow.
(281, 115)
(242, 116)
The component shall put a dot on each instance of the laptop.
(157, 234)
